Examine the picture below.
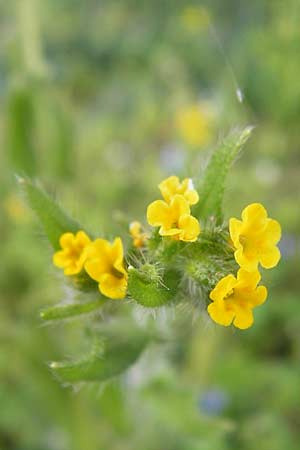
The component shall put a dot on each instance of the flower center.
(229, 294)
(115, 272)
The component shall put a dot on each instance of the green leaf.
(119, 349)
(211, 189)
(59, 312)
(148, 288)
(53, 219)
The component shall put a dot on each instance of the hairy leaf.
(59, 312)
(121, 348)
(53, 219)
(150, 289)
(211, 189)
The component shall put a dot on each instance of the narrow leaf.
(118, 354)
(211, 189)
(53, 219)
(58, 312)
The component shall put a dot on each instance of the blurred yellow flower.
(195, 18)
(105, 264)
(174, 219)
(172, 186)
(73, 254)
(233, 299)
(255, 238)
(193, 125)
(15, 209)
(139, 238)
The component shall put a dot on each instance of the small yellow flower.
(172, 186)
(194, 126)
(255, 238)
(105, 264)
(195, 18)
(73, 254)
(174, 219)
(233, 299)
(139, 238)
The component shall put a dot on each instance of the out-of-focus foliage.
(90, 94)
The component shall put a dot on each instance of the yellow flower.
(233, 299)
(73, 255)
(255, 238)
(172, 186)
(105, 264)
(139, 238)
(193, 125)
(174, 219)
(195, 18)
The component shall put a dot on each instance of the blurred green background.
(101, 100)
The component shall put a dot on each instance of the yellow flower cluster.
(173, 214)
(103, 261)
(138, 236)
(254, 239)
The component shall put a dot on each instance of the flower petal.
(66, 240)
(270, 257)
(223, 287)
(272, 233)
(243, 318)
(158, 213)
(247, 263)
(59, 259)
(235, 227)
(170, 231)
(248, 279)
(190, 228)
(220, 314)
(259, 296)
(82, 239)
(255, 216)
(168, 187)
(192, 197)
(179, 207)
(113, 287)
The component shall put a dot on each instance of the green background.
(90, 91)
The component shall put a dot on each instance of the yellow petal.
(192, 197)
(66, 240)
(98, 259)
(72, 269)
(270, 257)
(117, 255)
(179, 207)
(59, 259)
(158, 213)
(255, 215)
(248, 279)
(272, 233)
(190, 228)
(113, 287)
(247, 263)
(170, 231)
(224, 286)
(168, 187)
(220, 314)
(82, 239)
(259, 296)
(235, 227)
(244, 318)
